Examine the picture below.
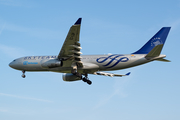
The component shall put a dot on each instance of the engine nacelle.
(70, 77)
(51, 63)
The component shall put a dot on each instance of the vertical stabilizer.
(158, 39)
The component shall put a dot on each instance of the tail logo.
(156, 41)
(109, 61)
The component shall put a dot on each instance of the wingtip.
(78, 22)
(166, 27)
(128, 73)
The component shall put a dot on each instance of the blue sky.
(31, 27)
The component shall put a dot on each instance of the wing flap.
(110, 74)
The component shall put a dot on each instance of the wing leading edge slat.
(70, 50)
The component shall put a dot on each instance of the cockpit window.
(14, 60)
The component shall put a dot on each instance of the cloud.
(175, 24)
(22, 97)
(118, 90)
(17, 3)
(3, 26)
(42, 33)
(106, 99)
(10, 3)
(3, 110)
(12, 52)
(120, 85)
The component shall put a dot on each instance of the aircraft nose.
(16, 64)
(11, 65)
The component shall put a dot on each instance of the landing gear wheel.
(84, 79)
(89, 82)
(23, 76)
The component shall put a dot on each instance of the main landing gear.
(23, 75)
(84, 79)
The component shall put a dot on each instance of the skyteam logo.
(27, 63)
(156, 41)
(112, 60)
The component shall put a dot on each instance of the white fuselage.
(91, 63)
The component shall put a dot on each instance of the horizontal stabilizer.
(163, 60)
(154, 52)
(110, 74)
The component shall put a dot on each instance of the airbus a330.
(77, 67)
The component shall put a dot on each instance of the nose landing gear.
(23, 75)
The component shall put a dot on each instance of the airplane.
(77, 67)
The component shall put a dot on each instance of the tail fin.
(156, 42)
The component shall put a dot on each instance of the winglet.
(128, 73)
(78, 22)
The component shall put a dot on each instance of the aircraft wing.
(70, 51)
(110, 74)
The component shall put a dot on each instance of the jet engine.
(51, 63)
(70, 77)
